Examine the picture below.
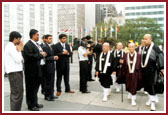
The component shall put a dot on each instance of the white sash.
(147, 56)
(106, 63)
(140, 49)
(131, 70)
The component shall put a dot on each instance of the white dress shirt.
(42, 62)
(13, 59)
(81, 51)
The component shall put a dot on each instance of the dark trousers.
(60, 74)
(83, 75)
(72, 58)
(49, 89)
(32, 86)
(16, 87)
(43, 79)
(90, 70)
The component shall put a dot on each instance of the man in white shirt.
(14, 68)
(83, 63)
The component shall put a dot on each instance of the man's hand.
(97, 73)
(56, 57)
(161, 72)
(114, 73)
(65, 52)
(19, 47)
(88, 45)
(121, 61)
(43, 54)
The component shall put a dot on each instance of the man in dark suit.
(43, 68)
(62, 50)
(33, 58)
(50, 69)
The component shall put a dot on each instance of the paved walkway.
(86, 102)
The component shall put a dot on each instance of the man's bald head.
(106, 47)
(147, 39)
(119, 45)
(131, 47)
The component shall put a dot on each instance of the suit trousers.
(32, 87)
(49, 89)
(43, 80)
(83, 75)
(60, 74)
(16, 87)
(90, 70)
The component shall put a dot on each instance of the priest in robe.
(104, 69)
(118, 56)
(152, 65)
(132, 71)
(140, 48)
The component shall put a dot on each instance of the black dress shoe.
(54, 97)
(86, 92)
(91, 80)
(43, 92)
(49, 99)
(39, 106)
(33, 108)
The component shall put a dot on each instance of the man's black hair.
(32, 32)
(48, 35)
(14, 34)
(62, 35)
(88, 37)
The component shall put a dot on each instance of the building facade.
(71, 17)
(23, 17)
(149, 10)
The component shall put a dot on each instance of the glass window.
(149, 7)
(143, 13)
(144, 7)
(138, 7)
(160, 12)
(160, 6)
(138, 13)
(154, 6)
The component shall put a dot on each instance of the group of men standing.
(138, 68)
(39, 68)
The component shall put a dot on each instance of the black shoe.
(49, 99)
(91, 80)
(54, 97)
(39, 105)
(86, 92)
(42, 92)
(33, 109)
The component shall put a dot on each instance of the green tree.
(135, 30)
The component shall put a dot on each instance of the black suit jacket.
(32, 57)
(50, 67)
(63, 60)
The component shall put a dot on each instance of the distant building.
(90, 18)
(147, 9)
(71, 17)
(23, 17)
(105, 10)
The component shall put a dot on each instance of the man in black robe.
(140, 48)
(152, 63)
(104, 69)
(118, 56)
